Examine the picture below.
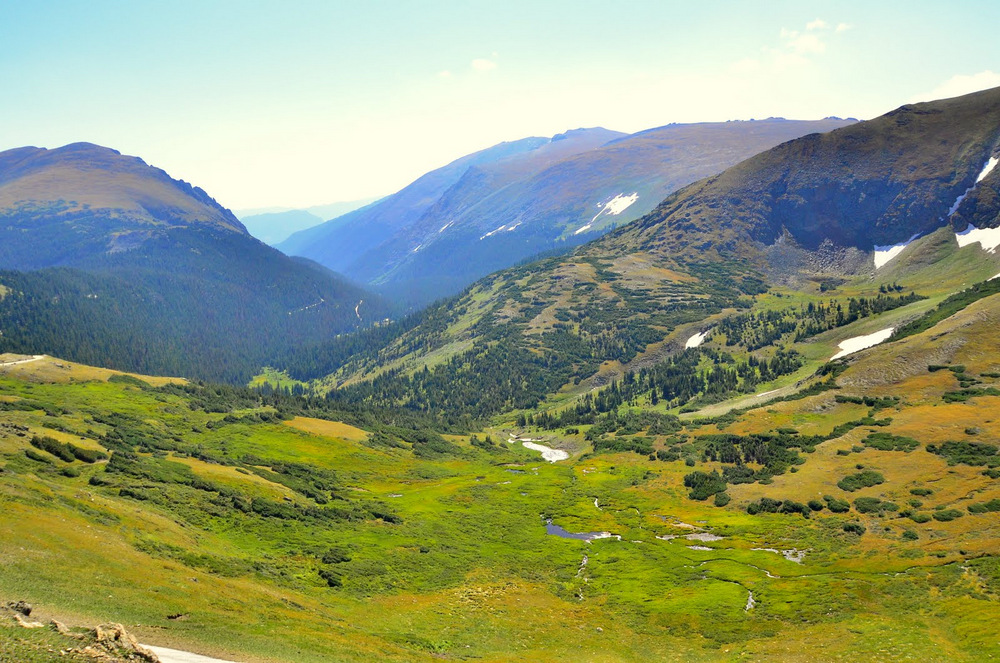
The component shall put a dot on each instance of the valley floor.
(844, 514)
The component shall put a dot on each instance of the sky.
(300, 103)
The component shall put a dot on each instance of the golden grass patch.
(334, 429)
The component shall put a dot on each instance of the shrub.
(816, 505)
(983, 507)
(867, 504)
(921, 492)
(763, 505)
(966, 453)
(336, 556)
(947, 515)
(70, 471)
(910, 535)
(35, 456)
(864, 479)
(854, 528)
(873, 505)
(703, 484)
(331, 577)
(722, 499)
(837, 505)
(53, 446)
(890, 442)
(65, 451)
(920, 518)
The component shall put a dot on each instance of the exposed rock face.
(874, 183)
(21, 607)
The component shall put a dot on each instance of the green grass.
(467, 570)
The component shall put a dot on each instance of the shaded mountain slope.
(131, 269)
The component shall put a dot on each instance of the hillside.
(501, 212)
(107, 260)
(707, 252)
(59, 206)
(854, 518)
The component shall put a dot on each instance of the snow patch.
(548, 453)
(988, 238)
(619, 204)
(613, 207)
(987, 169)
(858, 343)
(884, 254)
(504, 228)
(993, 277)
(697, 339)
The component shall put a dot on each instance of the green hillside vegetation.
(356, 534)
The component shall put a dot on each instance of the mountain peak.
(79, 190)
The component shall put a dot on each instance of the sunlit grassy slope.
(375, 551)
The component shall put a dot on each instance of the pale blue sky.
(303, 103)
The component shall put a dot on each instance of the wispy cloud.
(960, 84)
(796, 46)
(482, 64)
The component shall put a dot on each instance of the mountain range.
(756, 423)
(497, 207)
(810, 214)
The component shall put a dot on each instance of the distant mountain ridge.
(340, 241)
(554, 195)
(274, 225)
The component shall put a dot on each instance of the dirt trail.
(21, 361)
(176, 656)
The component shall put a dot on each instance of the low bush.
(837, 505)
(863, 479)
(704, 484)
(984, 507)
(890, 442)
